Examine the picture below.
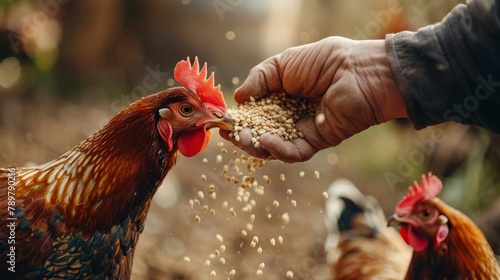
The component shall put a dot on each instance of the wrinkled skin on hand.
(350, 82)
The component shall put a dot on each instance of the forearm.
(451, 71)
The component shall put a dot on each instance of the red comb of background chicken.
(430, 186)
(191, 78)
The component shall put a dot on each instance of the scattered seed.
(222, 260)
(187, 259)
(262, 265)
(201, 195)
(285, 218)
(211, 189)
(219, 237)
(293, 203)
(282, 177)
(259, 250)
(259, 272)
(316, 174)
(272, 241)
(302, 174)
(252, 218)
(255, 239)
(276, 203)
(289, 192)
(204, 177)
(197, 219)
(325, 195)
(232, 272)
(280, 239)
(207, 263)
(205, 160)
(213, 273)
(249, 227)
(289, 274)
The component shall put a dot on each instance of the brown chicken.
(80, 215)
(359, 243)
(446, 243)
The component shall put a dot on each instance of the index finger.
(263, 79)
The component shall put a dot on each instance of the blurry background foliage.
(67, 66)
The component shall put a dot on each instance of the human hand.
(349, 81)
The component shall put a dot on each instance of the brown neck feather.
(108, 176)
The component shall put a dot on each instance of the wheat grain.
(276, 113)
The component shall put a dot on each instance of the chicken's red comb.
(191, 78)
(429, 187)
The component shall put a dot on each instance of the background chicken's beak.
(395, 221)
(225, 123)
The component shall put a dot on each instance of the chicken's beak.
(395, 221)
(224, 122)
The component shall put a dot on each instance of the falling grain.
(285, 218)
(219, 237)
(282, 177)
(280, 239)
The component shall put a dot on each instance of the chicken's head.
(192, 110)
(419, 217)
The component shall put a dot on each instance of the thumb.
(262, 80)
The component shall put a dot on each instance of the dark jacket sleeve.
(450, 71)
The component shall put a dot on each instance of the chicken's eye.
(186, 110)
(426, 214)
